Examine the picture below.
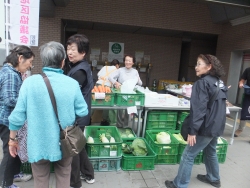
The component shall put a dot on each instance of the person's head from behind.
(53, 55)
(209, 64)
(129, 61)
(115, 63)
(77, 47)
(21, 58)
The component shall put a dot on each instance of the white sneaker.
(22, 177)
(87, 179)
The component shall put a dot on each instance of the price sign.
(99, 95)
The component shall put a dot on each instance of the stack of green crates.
(131, 162)
(103, 156)
(165, 120)
(181, 117)
(127, 99)
(166, 153)
(221, 150)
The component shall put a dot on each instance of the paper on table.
(132, 110)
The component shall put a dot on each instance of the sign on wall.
(24, 22)
(116, 51)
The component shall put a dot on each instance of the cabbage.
(163, 138)
(139, 147)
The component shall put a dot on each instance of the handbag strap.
(212, 99)
(52, 96)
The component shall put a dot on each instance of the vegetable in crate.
(127, 133)
(180, 138)
(90, 140)
(112, 140)
(126, 148)
(139, 147)
(219, 141)
(163, 138)
(104, 139)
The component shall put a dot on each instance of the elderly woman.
(34, 104)
(17, 62)
(205, 125)
(77, 49)
(121, 75)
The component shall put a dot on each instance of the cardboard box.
(155, 99)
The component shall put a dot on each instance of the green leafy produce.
(126, 133)
(163, 138)
(180, 138)
(139, 147)
(126, 148)
(219, 140)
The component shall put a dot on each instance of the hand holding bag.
(72, 140)
(186, 122)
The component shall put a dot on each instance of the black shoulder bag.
(185, 124)
(72, 140)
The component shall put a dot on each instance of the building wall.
(198, 47)
(232, 38)
(165, 14)
(155, 46)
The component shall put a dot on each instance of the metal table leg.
(139, 123)
(144, 123)
(234, 127)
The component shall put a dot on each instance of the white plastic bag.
(128, 86)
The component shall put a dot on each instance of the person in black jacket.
(77, 48)
(245, 114)
(205, 124)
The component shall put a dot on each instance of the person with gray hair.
(34, 104)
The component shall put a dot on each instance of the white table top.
(233, 108)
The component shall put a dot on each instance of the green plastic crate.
(106, 164)
(161, 120)
(166, 159)
(125, 99)
(108, 101)
(178, 126)
(122, 131)
(131, 162)
(221, 157)
(222, 148)
(162, 116)
(99, 149)
(162, 149)
(182, 116)
(26, 168)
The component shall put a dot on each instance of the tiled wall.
(166, 14)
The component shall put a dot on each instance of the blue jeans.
(208, 145)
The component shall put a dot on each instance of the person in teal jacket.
(34, 104)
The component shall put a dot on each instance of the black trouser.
(80, 163)
(10, 166)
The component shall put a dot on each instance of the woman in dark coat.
(205, 125)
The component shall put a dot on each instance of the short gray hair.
(52, 54)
